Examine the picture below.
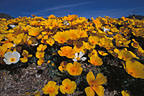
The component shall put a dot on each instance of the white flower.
(105, 29)
(66, 23)
(79, 56)
(12, 26)
(34, 44)
(11, 57)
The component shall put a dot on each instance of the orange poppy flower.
(50, 41)
(71, 17)
(34, 31)
(4, 48)
(62, 66)
(94, 40)
(74, 69)
(67, 51)
(73, 34)
(102, 53)
(135, 44)
(95, 84)
(25, 55)
(41, 47)
(40, 54)
(82, 33)
(18, 38)
(97, 22)
(124, 54)
(68, 86)
(51, 88)
(95, 60)
(40, 61)
(125, 93)
(134, 68)
(61, 37)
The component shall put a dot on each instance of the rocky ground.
(24, 82)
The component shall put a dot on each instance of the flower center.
(67, 87)
(78, 58)
(12, 59)
(51, 90)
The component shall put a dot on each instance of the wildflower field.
(71, 56)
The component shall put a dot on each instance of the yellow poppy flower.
(25, 38)
(40, 54)
(51, 88)
(140, 51)
(67, 51)
(123, 18)
(82, 33)
(2, 36)
(138, 32)
(45, 37)
(74, 69)
(95, 60)
(68, 86)
(4, 48)
(18, 38)
(122, 42)
(2, 51)
(8, 45)
(24, 59)
(73, 34)
(78, 49)
(62, 66)
(89, 91)
(94, 52)
(40, 61)
(34, 31)
(39, 36)
(50, 41)
(10, 37)
(135, 68)
(135, 44)
(97, 22)
(51, 17)
(94, 40)
(124, 93)
(124, 54)
(34, 23)
(25, 55)
(95, 84)
(102, 53)
(88, 46)
(70, 17)
(106, 43)
(61, 37)
(41, 47)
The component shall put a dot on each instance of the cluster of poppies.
(80, 40)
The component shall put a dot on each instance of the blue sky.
(86, 8)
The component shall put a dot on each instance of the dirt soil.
(24, 82)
